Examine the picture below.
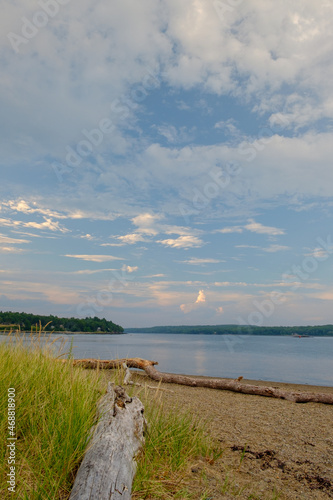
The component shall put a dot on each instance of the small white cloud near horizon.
(130, 269)
(201, 299)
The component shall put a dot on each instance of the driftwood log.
(212, 383)
(127, 381)
(108, 466)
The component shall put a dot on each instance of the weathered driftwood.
(127, 381)
(108, 466)
(212, 383)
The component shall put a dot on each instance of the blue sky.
(167, 162)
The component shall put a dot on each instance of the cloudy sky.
(166, 161)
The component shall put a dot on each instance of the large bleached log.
(212, 383)
(108, 466)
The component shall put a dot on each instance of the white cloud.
(183, 242)
(246, 246)
(91, 62)
(189, 307)
(94, 258)
(320, 253)
(131, 239)
(7, 239)
(130, 269)
(229, 127)
(47, 224)
(256, 50)
(26, 208)
(11, 250)
(112, 244)
(174, 135)
(201, 297)
(231, 229)
(196, 261)
(150, 225)
(155, 276)
(87, 237)
(271, 249)
(276, 248)
(229, 283)
(256, 227)
(92, 271)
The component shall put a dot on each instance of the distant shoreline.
(240, 330)
(231, 333)
(64, 333)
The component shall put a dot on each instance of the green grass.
(55, 410)
(174, 441)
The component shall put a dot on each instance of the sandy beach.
(272, 448)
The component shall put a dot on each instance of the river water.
(270, 358)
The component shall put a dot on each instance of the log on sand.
(212, 383)
(108, 466)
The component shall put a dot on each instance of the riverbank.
(272, 448)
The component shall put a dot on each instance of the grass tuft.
(55, 410)
(174, 441)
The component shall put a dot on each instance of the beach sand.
(288, 446)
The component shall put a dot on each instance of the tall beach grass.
(174, 442)
(55, 410)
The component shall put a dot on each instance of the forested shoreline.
(34, 322)
(27, 322)
(319, 331)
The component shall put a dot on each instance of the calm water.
(280, 359)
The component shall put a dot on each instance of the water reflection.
(200, 358)
(280, 359)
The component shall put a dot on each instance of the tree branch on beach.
(211, 383)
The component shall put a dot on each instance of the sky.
(167, 162)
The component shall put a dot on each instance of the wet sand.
(287, 447)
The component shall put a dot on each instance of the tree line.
(33, 322)
(323, 330)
